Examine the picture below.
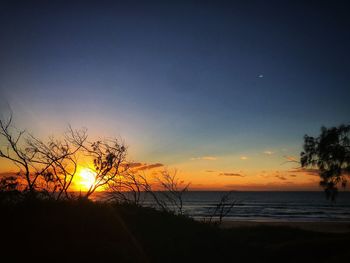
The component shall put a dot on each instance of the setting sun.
(85, 178)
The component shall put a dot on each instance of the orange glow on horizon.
(210, 175)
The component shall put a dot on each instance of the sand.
(328, 227)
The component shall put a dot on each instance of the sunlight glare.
(86, 178)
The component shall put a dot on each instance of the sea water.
(266, 206)
(271, 206)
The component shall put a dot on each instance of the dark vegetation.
(85, 231)
(221, 209)
(329, 154)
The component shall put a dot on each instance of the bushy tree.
(330, 154)
(56, 161)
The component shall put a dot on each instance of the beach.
(325, 227)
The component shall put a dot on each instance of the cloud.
(210, 171)
(309, 171)
(281, 177)
(291, 158)
(278, 174)
(268, 152)
(206, 158)
(243, 158)
(134, 165)
(149, 166)
(231, 174)
(138, 166)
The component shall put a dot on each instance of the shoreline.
(325, 227)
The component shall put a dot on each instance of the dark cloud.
(134, 165)
(231, 174)
(142, 166)
(281, 177)
(210, 171)
(150, 166)
(305, 170)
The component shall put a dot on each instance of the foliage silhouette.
(12, 151)
(127, 188)
(330, 154)
(45, 167)
(109, 160)
(222, 208)
(169, 196)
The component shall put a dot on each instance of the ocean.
(268, 206)
(272, 206)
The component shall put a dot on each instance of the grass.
(84, 231)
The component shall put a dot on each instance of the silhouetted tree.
(13, 149)
(128, 187)
(109, 158)
(222, 208)
(9, 192)
(8, 183)
(166, 190)
(57, 161)
(47, 167)
(169, 197)
(330, 154)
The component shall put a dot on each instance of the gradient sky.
(221, 90)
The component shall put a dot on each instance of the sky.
(223, 91)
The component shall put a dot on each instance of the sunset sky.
(223, 91)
